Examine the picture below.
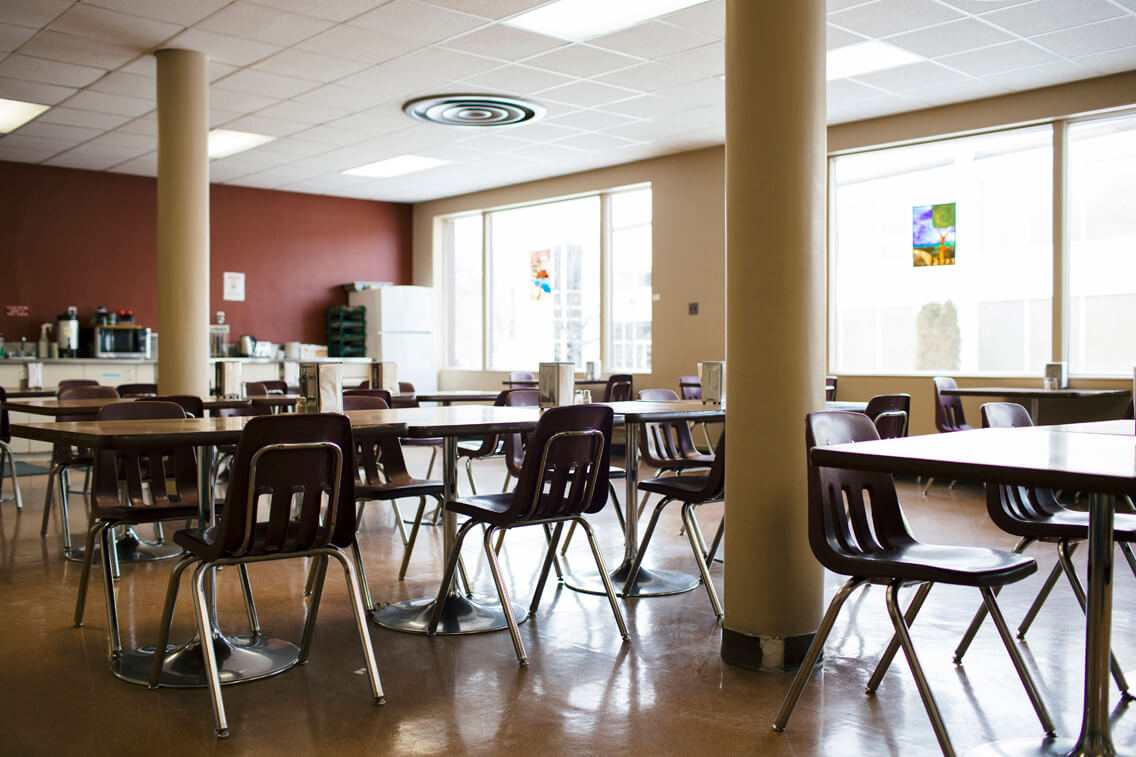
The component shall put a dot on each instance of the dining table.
(18, 393)
(1096, 457)
(56, 407)
(240, 657)
(1033, 396)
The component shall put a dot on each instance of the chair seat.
(1070, 524)
(147, 514)
(490, 508)
(472, 448)
(676, 487)
(203, 543)
(689, 462)
(614, 471)
(416, 488)
(948, 564)
(432, 441)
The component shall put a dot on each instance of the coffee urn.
(67, 333)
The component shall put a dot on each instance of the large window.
(566, 281)
(942, 256)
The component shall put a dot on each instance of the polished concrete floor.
(665, 692)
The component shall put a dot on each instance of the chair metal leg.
(930, 481)
(413, 536)
(1065, 551)
(634, 573)
(694, 534)
(167, 618)
(980, 614)
(618, 517)
(433, 457)
(354, 595)
(107, 537)
(452, 563)
(503, 593)
(811, 657)
(399, 522)
(1039, 600)
(319, 573)
(63, 512)
(609, 589)
(7, 453)
(1016, 657)
(893, 645)
(357, 556)
(250, 604)
(205, 632)
(712, 554)
(917, 669)
(88, 554)
(553, 539)
(469, 474)
(1126, 550)
(48, 499)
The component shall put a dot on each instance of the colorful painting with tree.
(933, 234)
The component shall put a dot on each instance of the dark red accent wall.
(86, 238)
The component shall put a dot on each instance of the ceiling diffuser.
(473, 110)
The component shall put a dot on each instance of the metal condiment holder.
(712, 376)
(321, 388)
(557, 384)
(384, 375)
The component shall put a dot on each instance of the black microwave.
(120, 341)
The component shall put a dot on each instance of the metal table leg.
(1095, 739)
(239, 658)
(461, 615)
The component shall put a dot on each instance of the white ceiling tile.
(698, 119)
(305, 65)
(914, 76)
(172, 11)
(273, 127)
(709, 59)
(93, 157)
(1044, 75)
(219, 118)
(869, 108)
(61, 132)
(147, 65)
(238, 102)
(333, 10)
(79, 50)
(998, 58)
(377, 120)
(338, 96)
(431, 65)
(272, 26)
(591, 120)
(1044, 16)
(582, 60)
(31, 12)
(487, 8)
(102, 102)
(885, 17)
(595, 142)
(147, 125)
(848, 90)
(128, 140)
(46, 71)
(643, 131)
(1112, 62)
(951, 37)
(503, 42)
(131, 85)
(967, 89)
(305, 113)
(293, 148)
(33, 92)
(539, 131)
(494, 143)
(143, 165)
(123, 29)
(982, 7)
(228, 169)
(1092, 38)
(30, 149)
(646, 106)
(85, 118)
(12, 36)
(836, 37)
(702, 92)
(649, 77)
(264, 83)
(358, 44)
(222, 47)
(331, 182)
(516, 80)
(708, 18)
(330, 134)
(652, 39)
(586, 94)
(417, 20)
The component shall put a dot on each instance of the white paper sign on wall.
(234, 286)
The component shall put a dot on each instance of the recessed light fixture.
(473, 110)
(399, 166)
(866, 57)
(15, 113)
(583, 19)
(225, 142)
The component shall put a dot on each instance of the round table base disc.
(239, 659)
(1043, 747)
(461, 615)
(649, 583)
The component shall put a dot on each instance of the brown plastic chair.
(948, 413)
(132, 486)
(382, 394)
(667, 446)
(857, 529)
(433, 442)
(275, 386)
(137, 390)
(292, 497)
(193, 405)
(67, 383)
(883, 403)
(64, 457)
(891, 424)
(618, 388)
(484, 447)
(6, 455)
(255, 389)
(1035, 515)
(689, 388)
(521, 380)
(830, 388)
(564, 476)
(691, 491)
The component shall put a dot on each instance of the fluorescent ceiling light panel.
(225, 142)
(583, 19)
(866, 57)
(14, 114)
(399, 166)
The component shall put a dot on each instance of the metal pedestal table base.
(1035, 748)
(649, 583)
(239, 658)
(461, 615)
(132, 549)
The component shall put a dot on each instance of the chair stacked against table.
(948, 412)
(6, 456)
(563, 477)
(300, 464)
(64, 457)
(1036, 515)
(857, 529)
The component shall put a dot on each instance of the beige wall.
(689, 236)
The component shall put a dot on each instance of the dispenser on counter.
(321, 388)
(46, 346)
(556, 384)
(67, 333)
(219, 336)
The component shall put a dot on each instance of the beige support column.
(775, 325)
(183, 222)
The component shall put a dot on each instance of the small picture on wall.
(933, 234)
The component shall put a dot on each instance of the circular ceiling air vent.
(473, 110)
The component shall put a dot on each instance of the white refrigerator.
(400, 329)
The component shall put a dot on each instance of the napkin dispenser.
(227, 379)
(712, 376)
(384, 375)
(321, 388)
(290, 373)
(592, 369)
(557, 384)
(1057, 375)
(33, 376)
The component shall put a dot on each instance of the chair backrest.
(891, 424)
(521, 379)
(565, 470)
(618, 388)
(830, 388)
(663, 441)
(363, 402)
(137, 390)
(491, 442)
(275, 386)
(5, 435)
(296, 462)
(405, 387)
(515, 443)
(1014, 507)
(85, 392)
(382, 394)
(658, 395)
(689, 387)
(76, 382)
(846, 526)
(883, 403)
(141, 470)
(193, 405)
(255, 389)
(948, 409)
(230, 412)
